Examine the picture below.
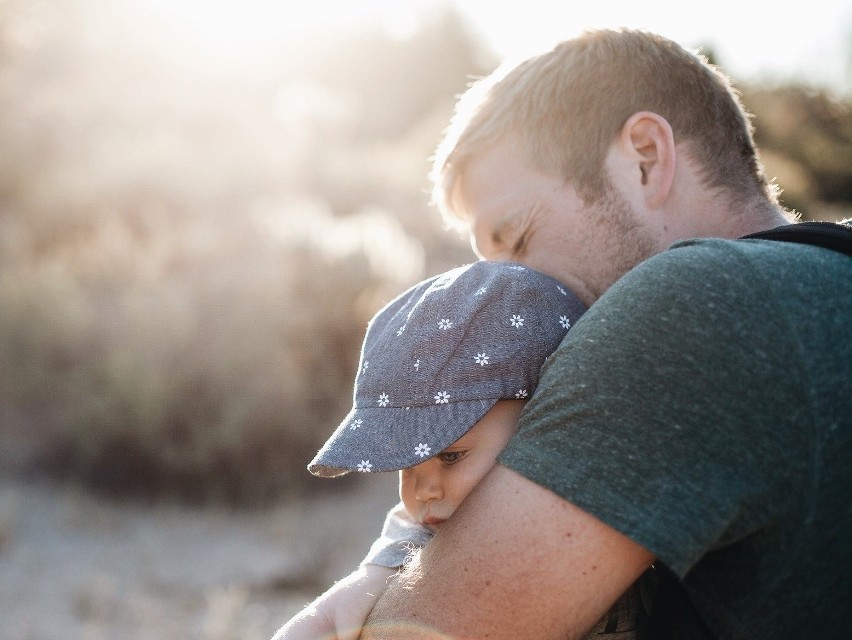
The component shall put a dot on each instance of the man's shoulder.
(780, 246)
(716, 286)
(700, 264)
(716, 251)
(736, 263)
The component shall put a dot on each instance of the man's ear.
(648, 140)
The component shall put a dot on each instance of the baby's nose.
(429, 487)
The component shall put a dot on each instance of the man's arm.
(515, 561)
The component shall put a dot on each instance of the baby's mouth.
(432, 521)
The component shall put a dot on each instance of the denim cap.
(438, 358)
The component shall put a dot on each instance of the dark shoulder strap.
(831, 235)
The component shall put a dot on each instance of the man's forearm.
(515, 561)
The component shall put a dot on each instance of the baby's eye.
(451, 457)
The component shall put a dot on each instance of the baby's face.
(432, 490)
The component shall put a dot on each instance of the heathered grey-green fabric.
(703, 407)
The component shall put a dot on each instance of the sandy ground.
(74, 566)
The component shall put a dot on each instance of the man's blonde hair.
(564, 108)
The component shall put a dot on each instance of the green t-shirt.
(703, 407)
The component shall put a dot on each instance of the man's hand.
(515, 561)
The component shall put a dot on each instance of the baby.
(444, 373)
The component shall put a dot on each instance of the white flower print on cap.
(422, 449)
(440, 356)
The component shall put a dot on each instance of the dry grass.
(76, 567)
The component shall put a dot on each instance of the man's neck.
(757, 215)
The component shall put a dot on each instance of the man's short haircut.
(564, 108)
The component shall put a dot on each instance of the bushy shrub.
(212, 372)
(190, 250)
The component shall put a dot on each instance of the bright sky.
(752, 39)
(811, 39)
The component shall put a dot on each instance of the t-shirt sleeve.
(400, 536)
(652, 415)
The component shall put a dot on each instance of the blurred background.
(201, 205)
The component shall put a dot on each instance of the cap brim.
(377, 439)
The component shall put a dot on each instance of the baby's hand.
(340, 612)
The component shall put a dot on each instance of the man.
(697, 418)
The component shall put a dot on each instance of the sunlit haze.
(752, 40)
(811, 40)
(236, 27)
